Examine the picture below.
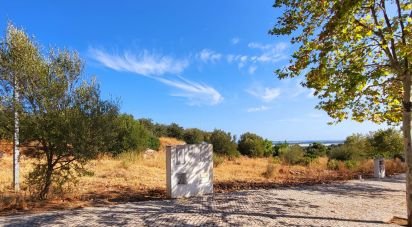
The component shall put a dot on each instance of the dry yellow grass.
(130, 177)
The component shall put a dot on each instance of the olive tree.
(61, 114)
(356, 55)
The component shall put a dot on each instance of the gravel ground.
(353, 203)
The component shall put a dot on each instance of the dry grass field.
(133, 177)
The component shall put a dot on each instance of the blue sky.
(206, 64)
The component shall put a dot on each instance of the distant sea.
(305, 143)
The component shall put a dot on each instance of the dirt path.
(354, 203)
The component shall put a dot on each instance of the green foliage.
(148, 124)
(66, 116)
(175, 131)
(6, 129)
(386, 143)
(278, 147)
(251, 145)
(351, 164)
(355, 147)
(153, 142)
(223, 143)
(268, 148)
(292, 155)
(132, 136)
(194, 136)
(315, 150)
(341, 153)
(355, 54)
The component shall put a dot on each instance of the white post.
(16, 151)
(379, 168)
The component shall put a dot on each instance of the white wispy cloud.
(266, 94)
(270, 52)
(145, 63)
(265, 53)
(153, 66)
(207, 55)
(277, 46)
(196, 93)
(235, 40)
(257, 109)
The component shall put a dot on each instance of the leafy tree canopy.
(355, 54)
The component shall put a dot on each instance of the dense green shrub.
(223, 143)
(341, 153)
(131, 135)
(292, 155)
(268, 148)
(194, 136)
(251, 145)
(153, 142)
(356, 147)
(315, 150)
(175, 131)
(278, 147)
(386, 143)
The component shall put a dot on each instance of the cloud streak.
(145, 63)
(154, 66)
(265, 53)
(265, 94)
(207, 55)
(196, 93)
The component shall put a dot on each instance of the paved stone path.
(354, 203)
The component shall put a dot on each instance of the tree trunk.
(47, 182)
(16, 151)
(407, 103)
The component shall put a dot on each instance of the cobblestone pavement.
(354, 203)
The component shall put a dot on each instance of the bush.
(251, 145)
(223, 143)
(292, 155)
(315, 150)
(153, 142)
(132, 136)
(386, 143)
(278, 147)
(356, 147)
(175, 131)
(341, 153)
(194, 136)
(268, 148)
(351, 164)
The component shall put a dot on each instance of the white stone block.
(379, 168)
(189, 170)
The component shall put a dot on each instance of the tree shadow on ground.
(249, 207)
(366, 188)
(243, 208)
